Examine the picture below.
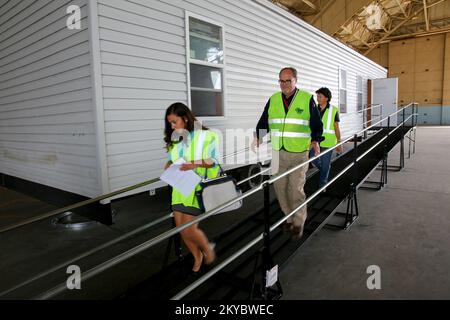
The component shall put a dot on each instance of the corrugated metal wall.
(47, 126)
(144, 71)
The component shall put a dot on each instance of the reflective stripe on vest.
(291, 130)
(291, 134)
(328, 127)
(290, 121)
(196, 149)
(188, 153)
(200, 141)
(199, 146)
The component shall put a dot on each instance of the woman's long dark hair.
(180, 110)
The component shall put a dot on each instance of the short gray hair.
(293, 70)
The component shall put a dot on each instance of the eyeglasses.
(285, 81)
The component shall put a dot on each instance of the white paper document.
(184, 181)
(272, 276)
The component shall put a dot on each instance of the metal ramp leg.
(378, 185)
(352, 213)
(275, 291)
(176, 241)
(402, 157)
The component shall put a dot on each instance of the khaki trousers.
(289, 190)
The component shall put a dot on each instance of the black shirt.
(315, 121)
(322, 112)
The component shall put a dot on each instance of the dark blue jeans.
(323, 164)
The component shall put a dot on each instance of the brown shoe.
(297, 232)
(287, 227)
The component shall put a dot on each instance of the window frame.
(222, 66)
(359, 91)
(344, 89)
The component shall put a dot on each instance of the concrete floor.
(403, 228)
(16, 207)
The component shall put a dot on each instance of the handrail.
(322, 153)
(86, 254)
(89, 201)
(350, 137)
(230, 259)
(152, 242)
(208, 275)
(145, 245)
(235, 153)
(76, 205)
(103, 246)
(362, 110)
(387, 135)
(377, 116)
(109, 195)
(253, 176)
(345, 140)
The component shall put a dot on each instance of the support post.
(266, 293)
(415, 126)
(402, 145)
(352, 212)
(352, 202)
(176, 241)
(402, 149)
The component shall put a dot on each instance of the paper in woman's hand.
(184, 181)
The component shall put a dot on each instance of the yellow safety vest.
(197, 149)
(291, 130)
(328, 127)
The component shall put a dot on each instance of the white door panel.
(385, 92)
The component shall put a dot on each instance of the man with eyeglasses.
(295, 126)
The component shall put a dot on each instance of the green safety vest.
(197, 149)
(328, 127)
(291, 130)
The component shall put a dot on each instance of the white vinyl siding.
(47, 128)
(48, 132)
(144, 66)
(143, 56)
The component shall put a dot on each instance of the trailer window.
(359, 93)
(342, 91)
(206, 66)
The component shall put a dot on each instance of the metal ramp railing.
(272, 218)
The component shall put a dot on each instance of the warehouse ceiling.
(367, 24)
